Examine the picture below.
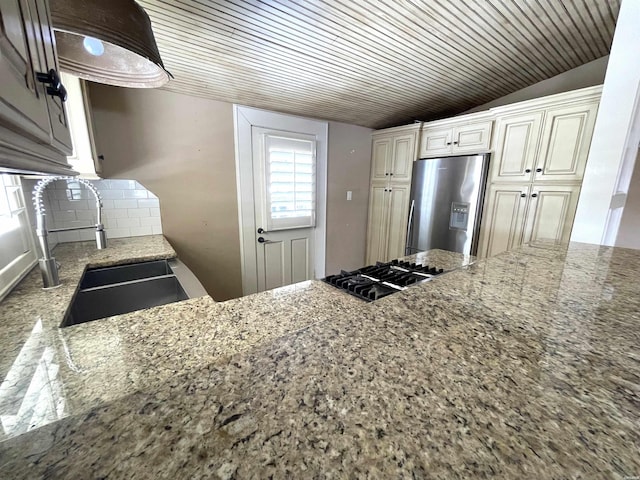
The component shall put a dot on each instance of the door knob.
(260, 230)
(263, 240)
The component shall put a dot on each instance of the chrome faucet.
(48, 265)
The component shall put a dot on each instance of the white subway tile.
(154, 212)
(86, 215)
(125, 203)
(135, 193)
(110, 223)
(151, 221)
(52, 205)
(116, 213)
(64, 237)
(139, 231)
(149, 202)
(138, 212)
(151, 194)
(156, 230)
(107, 205)
(101, 184)
(73, 205)
(118, 233)
(122, 184)
(112, 194)
(59, 185)
(65, 215)
(127, 222)
(86, 235)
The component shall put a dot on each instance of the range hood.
(107, 41)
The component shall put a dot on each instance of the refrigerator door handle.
(409, 225)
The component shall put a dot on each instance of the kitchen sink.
(104, 292)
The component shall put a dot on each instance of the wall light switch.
(349, 195)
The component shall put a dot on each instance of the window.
(17, 250)
(289, 181)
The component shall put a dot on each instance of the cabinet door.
(377, 223)
(403, 157)
(504, 216)
(435, 142)
(60, 135)
(551, 213)
(397, 220)
(516, 145)
(381, 158)
(473, 138)
(22, 106)
(566, 138)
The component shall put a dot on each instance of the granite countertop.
(523, 365)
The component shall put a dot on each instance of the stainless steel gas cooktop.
(377, 281)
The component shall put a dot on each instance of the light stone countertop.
(525, 365)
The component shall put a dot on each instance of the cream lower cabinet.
(388, 210)
(517, 214)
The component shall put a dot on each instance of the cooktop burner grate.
(382, 279)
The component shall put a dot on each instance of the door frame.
(244, 118)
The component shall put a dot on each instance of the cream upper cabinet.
(22, 105)
(455, 139)
(435, 142)
(393, 156)
(34, 132)
(504, 218)
(552, 209)
(60, 135)
(516, 145)
(566, 138)
(381, 157)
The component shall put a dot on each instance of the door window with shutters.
(288, 185)
(17, 250)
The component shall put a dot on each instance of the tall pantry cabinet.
(540, 151)
(393, 153)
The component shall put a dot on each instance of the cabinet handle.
(538, 170)
(528, 170)
(390, 189)
(523, 195)
(448, 143)
(455, 143)
(54, 85)
(391, 174)
(534, 195)
(386, 174)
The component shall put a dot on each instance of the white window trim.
(14, 272)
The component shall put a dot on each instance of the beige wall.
(182, 149)
(629, 231)
(587, 75)
(348, 169)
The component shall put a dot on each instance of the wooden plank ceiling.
(375, 63)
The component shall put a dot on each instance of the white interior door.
(284, 165)
(281, 166)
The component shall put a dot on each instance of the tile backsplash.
(129, 209)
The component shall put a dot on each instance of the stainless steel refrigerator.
(446, 203)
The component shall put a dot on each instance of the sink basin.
(105, 292)
(98, 277)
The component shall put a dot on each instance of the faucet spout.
(48, 265)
